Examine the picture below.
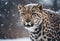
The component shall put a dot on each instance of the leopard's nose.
(27, 20)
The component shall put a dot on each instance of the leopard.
(42, 24)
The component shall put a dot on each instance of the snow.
(57, 12)
(2, 24)
(6, 3)
(9, 29)
(50, 10)
(31, 4)
(13, 15)
(20, 39)
(8, 12)
(46, 2)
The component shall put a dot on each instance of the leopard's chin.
(31, 29)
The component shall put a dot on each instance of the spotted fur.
(43, 25)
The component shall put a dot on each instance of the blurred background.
(10, 24)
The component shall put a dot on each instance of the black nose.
(27, 20)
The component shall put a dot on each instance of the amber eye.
(34, 13)
(22, 13)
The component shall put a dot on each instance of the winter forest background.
(10, 24)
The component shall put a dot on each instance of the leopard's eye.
(34, 13)
(22, 13)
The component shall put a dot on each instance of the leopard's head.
(30, 15)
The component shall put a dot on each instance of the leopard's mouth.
(28, 25)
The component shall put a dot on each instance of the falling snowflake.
(5, 9)
(13, 15)
(8, 12)
(6, 3)
(2, 24)
(9, 29)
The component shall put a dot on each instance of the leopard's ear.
(40, 6)
(20, 6)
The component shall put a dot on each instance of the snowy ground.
(20, 39)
